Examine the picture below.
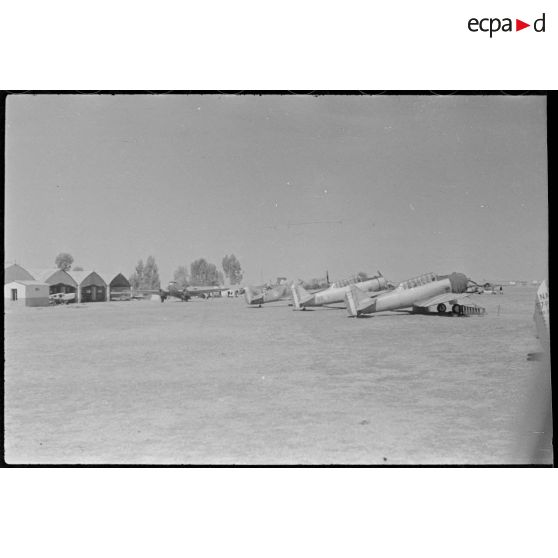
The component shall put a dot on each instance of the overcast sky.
(292, 185)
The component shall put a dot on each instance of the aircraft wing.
(203, 290)
(440, 299)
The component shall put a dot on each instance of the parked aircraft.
(419, 293)
(336, 291)
(259, 296)
(187, 293)
(62, 298)
(542, 315)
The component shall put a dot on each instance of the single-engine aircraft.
(542, 315)
(419, 293)
(187, 293)
(336, 291)
(62, 298)
(259, 296)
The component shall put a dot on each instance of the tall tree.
(214, 276)
(64, 261)
(232, 269)
(136, 279)
(151, 279)
(203, 273)
(146, 276)
(198, 272)
(181, 277)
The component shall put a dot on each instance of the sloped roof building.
(119, 287)
(15, 272)
(59, 281)
(91, 287)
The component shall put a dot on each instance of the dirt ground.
(218, 382)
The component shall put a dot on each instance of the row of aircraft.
(443, 293)
(421, 294)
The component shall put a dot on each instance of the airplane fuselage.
(260, 296)
(542, 315)
(407, 294)
(187, 293)
(337, 294)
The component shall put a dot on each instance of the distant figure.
(501, 290)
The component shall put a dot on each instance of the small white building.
(29, 293)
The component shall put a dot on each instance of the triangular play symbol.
(519, 25)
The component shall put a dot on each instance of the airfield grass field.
(219, 382)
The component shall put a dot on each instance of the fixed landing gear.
(457, 309)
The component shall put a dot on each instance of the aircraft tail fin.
(300, 296)
(354, 298)
(248, 294)
(253, 296)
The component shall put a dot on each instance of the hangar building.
(15, 272)
(58, 281)
(91, 287)
(119, 287)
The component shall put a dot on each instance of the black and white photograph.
(282, 279)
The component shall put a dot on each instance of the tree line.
(205, 274)
(200, 274)
(146, 275)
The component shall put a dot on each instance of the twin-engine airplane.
(187, 293)
(336, 291)
(419, 293)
